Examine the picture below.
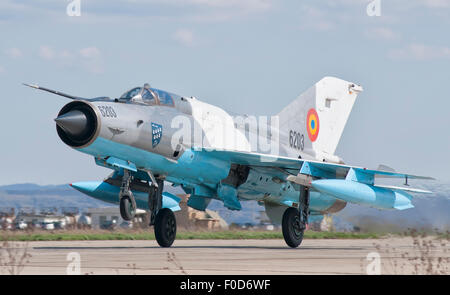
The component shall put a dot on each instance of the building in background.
(50, 218)
(192, 219)
(46, 218)
(7, 217)
(109, 218)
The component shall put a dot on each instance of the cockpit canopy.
(131, 93)
(150, 96)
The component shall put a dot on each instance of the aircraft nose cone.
(74, 122)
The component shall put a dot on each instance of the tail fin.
(319, 115)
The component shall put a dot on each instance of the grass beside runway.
(96, 235)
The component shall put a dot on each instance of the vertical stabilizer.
(319, 115)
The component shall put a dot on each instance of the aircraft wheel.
(126, 208)
(165, 227)
(292, 229)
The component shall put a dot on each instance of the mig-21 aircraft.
(287, 162)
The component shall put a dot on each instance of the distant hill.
(36, 196)
(431, 211)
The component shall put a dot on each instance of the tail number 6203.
(296, 140)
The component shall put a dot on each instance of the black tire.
(126, 208)
(292, 231)
(165, 227)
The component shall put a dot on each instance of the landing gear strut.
(155, 199)
(162, 218)
(295, 220)
(126, 198)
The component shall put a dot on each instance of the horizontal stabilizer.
(385, 168)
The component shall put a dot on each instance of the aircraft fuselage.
(143, 135)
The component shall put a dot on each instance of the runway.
(233, 257)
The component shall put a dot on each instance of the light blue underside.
(200, 170)
(203, 171)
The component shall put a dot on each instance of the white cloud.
(134, 11)
(436, 3)
(420, 52)
(382, 33)
(207, 11)
(316, 19)
(66, 54)
(2, 70)
(14, 52)
(91, 60)
(88, 58)
(249, 5)
(401, 3)
(90, 52)
(46, 52)
(185, 37)
(201, 10)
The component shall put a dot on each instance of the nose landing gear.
(163, 219)
(126, 198)
(127, 211)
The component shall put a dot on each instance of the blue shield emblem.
(156, 134)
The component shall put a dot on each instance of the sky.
(247, 56)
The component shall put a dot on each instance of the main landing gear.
(163, 219)
(295, 220)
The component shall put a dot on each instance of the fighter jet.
(287, 162)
